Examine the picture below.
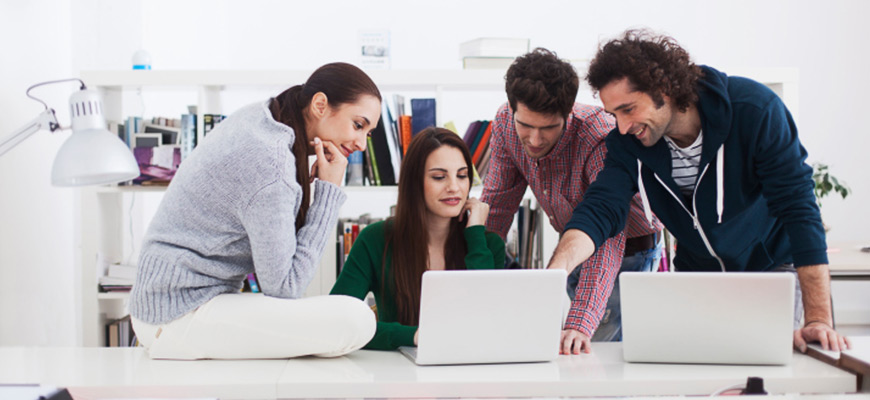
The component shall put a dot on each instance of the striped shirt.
(685, 163)
(558, 181)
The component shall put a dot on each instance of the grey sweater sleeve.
(285, 260)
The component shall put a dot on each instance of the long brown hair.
(407, 232)
(342, 83)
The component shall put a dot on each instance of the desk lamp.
(92, 155)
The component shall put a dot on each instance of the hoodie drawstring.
(646, 210)
(720, 182)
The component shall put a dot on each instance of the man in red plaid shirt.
(544, 140)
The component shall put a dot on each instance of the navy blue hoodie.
(760, 214)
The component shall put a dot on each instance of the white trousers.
(244, 325)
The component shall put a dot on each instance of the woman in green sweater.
(436, 227)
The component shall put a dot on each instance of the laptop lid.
(490, 316)
(707, 317)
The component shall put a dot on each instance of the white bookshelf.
(104, 217)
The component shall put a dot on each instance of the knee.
(356, 316)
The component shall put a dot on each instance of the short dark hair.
(654, 64)
(542, 82)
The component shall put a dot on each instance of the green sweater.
(362, 273)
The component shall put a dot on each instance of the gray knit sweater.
(229, 211)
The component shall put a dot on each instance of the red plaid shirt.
(558, 182)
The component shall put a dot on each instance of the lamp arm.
(45, 120)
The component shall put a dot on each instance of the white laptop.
(707, 317)
(489, 316)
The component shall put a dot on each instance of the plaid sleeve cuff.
(581, 321)
(594, 286)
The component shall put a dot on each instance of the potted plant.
(825, 183)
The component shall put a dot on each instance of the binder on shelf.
(478, 136)
(423, 114)
(470, 133)
(383, 162)
(482, 145)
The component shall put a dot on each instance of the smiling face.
(636, 113)
(346, 125)
(445, 182)
(538, 132)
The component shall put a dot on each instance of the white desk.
(847, 261)
(113, 372)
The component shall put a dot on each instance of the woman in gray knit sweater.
(242, 203)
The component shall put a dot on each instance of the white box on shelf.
(494, 47)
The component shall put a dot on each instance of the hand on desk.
(573, 342)
(820, 332)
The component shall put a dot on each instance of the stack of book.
(492, 53)
(477, 139)
(160, 143)
(380, 163)
(119, 333)
(348, 230)
(119, 278)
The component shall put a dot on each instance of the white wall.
(826, 42)
(36, 247)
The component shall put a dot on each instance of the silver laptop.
(492, 316)
(707, 317)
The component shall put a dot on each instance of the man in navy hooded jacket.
(718, 160)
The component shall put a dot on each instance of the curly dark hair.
(654, 64)
(542, 82)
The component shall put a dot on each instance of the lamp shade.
(91, 155)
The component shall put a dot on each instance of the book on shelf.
(347, 232)
(523, 246)
(119, 333)
(118, 278)
(482, 145)
(354, 169)
(405, 132)
(368, 174)
(147, 140)
(383, 160)
(251, 283)
(494, 47)
(124, 271)
(497, 63)
(392, 140)
(478, 136)
(422, 114)
(471, 132)
(157, 165)
(168, 134)
(187, 134)
(373, 162)
(210, 121)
